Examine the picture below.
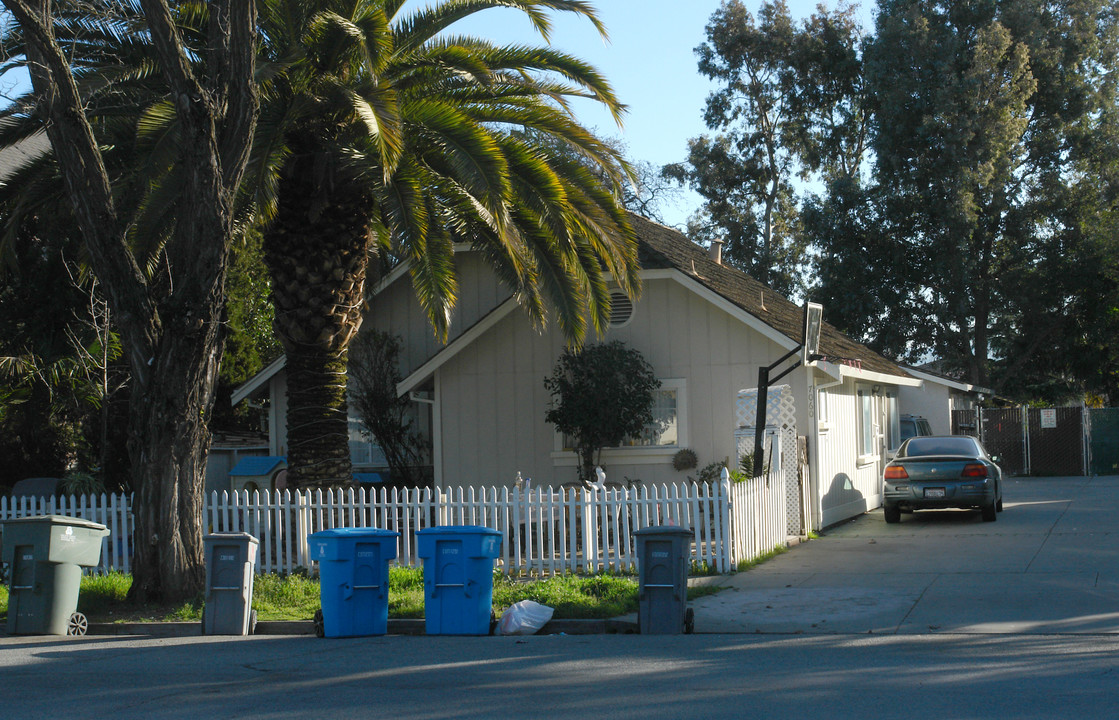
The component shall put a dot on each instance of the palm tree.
(381, 134)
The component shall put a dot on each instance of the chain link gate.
(1104, 444)
(1003, 433)
(1056, 441)
(1031, 441)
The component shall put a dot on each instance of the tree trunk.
(168, 444)
(170, 327)
(317, 251)
(318, 449)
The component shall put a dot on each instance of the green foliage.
(81, 483)
(986, 236)
(285, 597)
(788, 102)
(601, 395)
(250, 343)
(571, 596)
(711, 472)
(406, 591)
(374, 372)
(744, 565)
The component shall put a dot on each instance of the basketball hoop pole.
(763, 396)
(810, 344)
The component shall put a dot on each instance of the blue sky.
(649, 60)
(651, 63)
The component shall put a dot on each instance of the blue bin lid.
(255, 465)
(353, 532)
(459, 530)
(665, 530)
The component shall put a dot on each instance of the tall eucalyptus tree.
(167, 305)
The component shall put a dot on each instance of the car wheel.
(990, 513)
(892, 513)
(998, 505)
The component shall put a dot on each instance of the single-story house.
(941, 399)
(705, 328)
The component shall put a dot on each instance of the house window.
(822, 408)
(665, 428)
(668, 427)
(363, 451)
(866, 423)
(893, 423)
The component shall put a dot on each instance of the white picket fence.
(546, 531)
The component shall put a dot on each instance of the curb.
(403, 626)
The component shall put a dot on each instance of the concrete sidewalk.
(1050, 564)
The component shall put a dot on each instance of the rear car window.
(919, 446)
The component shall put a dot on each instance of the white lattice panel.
(780, 416)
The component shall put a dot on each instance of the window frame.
(865, 435)
(372, 450)
(637, 454)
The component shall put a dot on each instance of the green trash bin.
(663, 555)
(230, 569)
(45, 555)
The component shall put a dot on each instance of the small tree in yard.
(602, 395)
(374, 373)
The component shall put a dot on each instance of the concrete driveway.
(1049, 564)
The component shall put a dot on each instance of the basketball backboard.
(813, 322)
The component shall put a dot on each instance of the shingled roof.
(661, 247)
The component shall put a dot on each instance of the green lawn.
(296, 597)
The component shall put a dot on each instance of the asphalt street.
(942, 616)
(1049, 564)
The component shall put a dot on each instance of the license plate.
(934, 492)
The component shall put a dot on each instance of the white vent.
(621, 309)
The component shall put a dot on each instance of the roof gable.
(663, 247)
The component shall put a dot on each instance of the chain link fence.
(1031, 441)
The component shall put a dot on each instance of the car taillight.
(974, 470)
(896, 472)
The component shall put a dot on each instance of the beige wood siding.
(492, 397)
(396, 308)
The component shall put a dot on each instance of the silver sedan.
(942, 471)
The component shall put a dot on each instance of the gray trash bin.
(230, 568)
(45, 556)
(663, 553)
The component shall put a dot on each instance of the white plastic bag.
(524, 618)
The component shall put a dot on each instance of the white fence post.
(547, 531)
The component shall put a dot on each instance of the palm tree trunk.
(318, 446)
(317, 251)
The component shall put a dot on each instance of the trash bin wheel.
(252, 622)
(78, 624)
(320, 631)
(493, 622)
(689, 621)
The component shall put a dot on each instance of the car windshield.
(920, 446)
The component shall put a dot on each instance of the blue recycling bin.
(354, 579)
(458, 578)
